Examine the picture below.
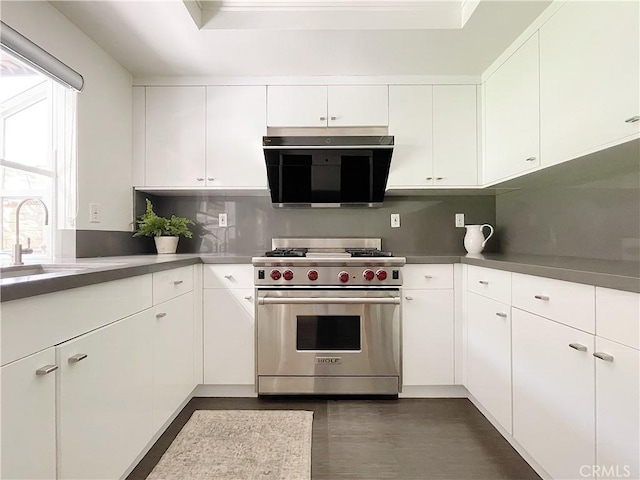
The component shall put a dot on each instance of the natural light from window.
(37, 158)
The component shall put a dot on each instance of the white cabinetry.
(235, 127)
(589, 77)
(322, 106)
(104, 420)
(29, 417)
(428, 325)
(175, 136)
(229, 345)
(435, 132)
(489, 356)
(512, 114)
(553, 400)
(173, 375)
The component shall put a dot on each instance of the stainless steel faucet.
(18, 251)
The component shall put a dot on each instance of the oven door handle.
(325, 300)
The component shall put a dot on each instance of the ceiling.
(162, 38)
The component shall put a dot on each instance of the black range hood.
(327, 171)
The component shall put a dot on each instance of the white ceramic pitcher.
(474, 240)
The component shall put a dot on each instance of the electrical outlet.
(94, 213)
(459, 219)
(222, 219)
(395, 220)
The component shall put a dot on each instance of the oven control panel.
(326, 275)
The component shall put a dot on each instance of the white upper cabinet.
(411, 124)
(235, 127)
(589, 78)
(435, 130)
(455, 142)
(512, 115)
(358, 105)
(333, 106)
(175, 136)
(297, 106)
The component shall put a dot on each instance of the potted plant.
(166, 231)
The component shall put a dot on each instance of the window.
(37, 157)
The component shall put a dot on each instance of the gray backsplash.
(427, 222)
(589, 207)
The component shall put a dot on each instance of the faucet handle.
(28, 250)
(28, 243)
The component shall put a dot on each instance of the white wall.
(104, 111)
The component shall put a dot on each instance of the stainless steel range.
(328, 317)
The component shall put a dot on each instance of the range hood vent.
(327, 171)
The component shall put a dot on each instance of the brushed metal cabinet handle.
(428, 276)
(531, 159)
(323, 118)
(483, 282)
(78, 357)
(161, 315)
(178, 282)
(439, 178)
(200, 179)
(500, 314)
(46, 369)
(633, 119)
(541, 297)
(334, 118)
(429, 178)
(408, 298)
(603, 356)
(211, 179)
(228, 277)
(578, 346)
(248, 297)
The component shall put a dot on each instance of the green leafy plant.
(151, 225)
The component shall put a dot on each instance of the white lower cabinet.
(28, 438)
(489, 356)
(427, 337)
(104, 389)
(173, 375)
(229, 337)
(617, 409)
(553, 394)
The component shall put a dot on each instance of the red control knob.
(312, 275)
(275, 274)
(287, 274)
(343, 277)
(381, 275)
(368, 275)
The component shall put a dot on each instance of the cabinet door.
(104, 412)
(297, 106)
(173, 374)
(512, 115)
(229, 352)
(589, 77)
(175, 137)
(410, 122)
(553, 394)
(618, 408)
(28, 439)
(455, 142)
(358, 105)
(489, 356)
(427, 332)
(235, 127)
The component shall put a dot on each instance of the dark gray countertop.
(621, 275)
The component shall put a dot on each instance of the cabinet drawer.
(618, 316)
(228, 276)
(169, 284)
(427, 276)
(570, 303)
(490, 283)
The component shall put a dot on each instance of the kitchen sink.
(44, 269)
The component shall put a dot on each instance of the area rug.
(239, 445)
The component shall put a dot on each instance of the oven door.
(328, 340)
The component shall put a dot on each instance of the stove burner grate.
(287, 252)
(368, 252)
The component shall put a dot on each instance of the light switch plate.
(222, 219)
(395, 220)
(459, 219)
(94, 213)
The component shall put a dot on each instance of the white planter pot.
(166, 244)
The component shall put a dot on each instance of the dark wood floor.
(372, 439)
